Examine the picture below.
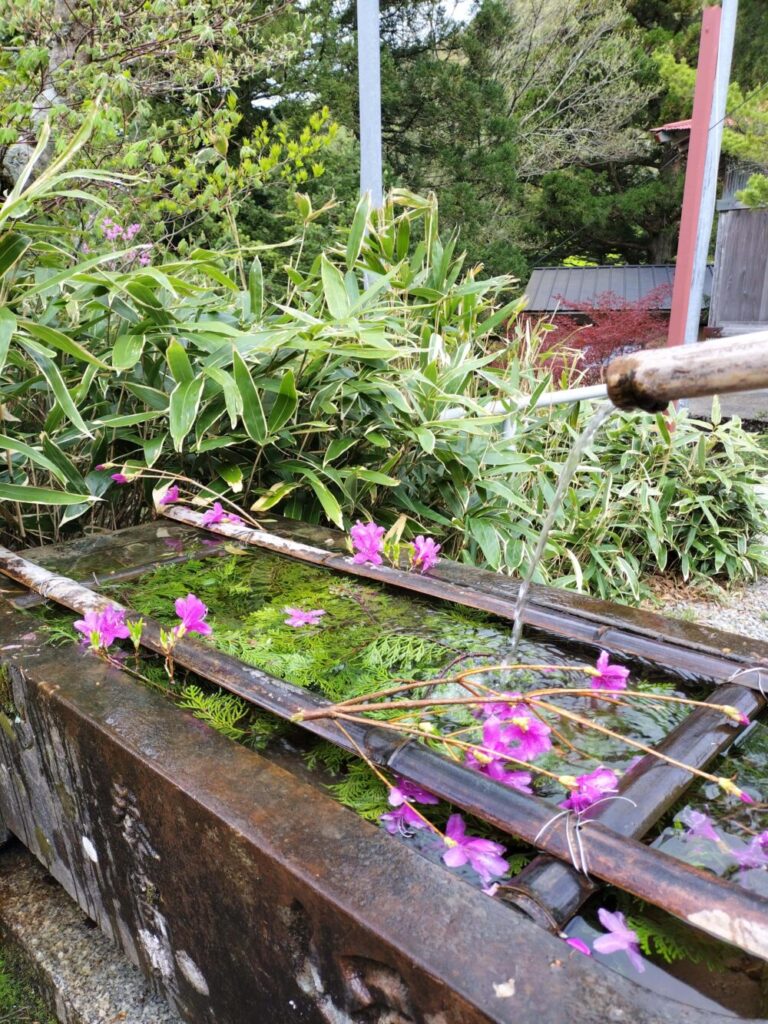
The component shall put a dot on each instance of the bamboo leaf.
(7, 330)
(56, 383)
(184, 404)
(127, 351)
(285, 403)
(336, 297)
(41, 495)
(254, 420)
(357, 231)
(12, 247)
(178, 361)
(60, 341)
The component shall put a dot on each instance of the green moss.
(20, 1000)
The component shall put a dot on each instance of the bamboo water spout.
(651, 380)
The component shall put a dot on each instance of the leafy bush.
(330, 401)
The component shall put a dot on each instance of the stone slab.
(83, 977)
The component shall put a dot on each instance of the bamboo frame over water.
(717, 907)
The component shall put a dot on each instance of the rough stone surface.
(85, 979)
(742, 609)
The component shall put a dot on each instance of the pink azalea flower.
(425, 553)
(402, 820)
(192, 612)
(502, 709)
(218, 514)
(404, 790)
(619, 938)
(367, 541)
(699, 825)
(101, 629)
(528, 735)
(170, 496)
(483, 855)
(296, 617)
(763, 837)
(611, 677)
(490, 758)
(753, 856)
(591, 788)
(120, 478)
(580, 945)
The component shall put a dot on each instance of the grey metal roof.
(557, 288)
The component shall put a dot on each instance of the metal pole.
(369, 82)
(712, 164)
(694, 174)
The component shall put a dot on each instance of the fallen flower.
(591, 788)
(402, 820)
(699, 825)
(170, 496)
(101, 629)
(483, 855)
(425, 553)
(528, 734)
(192, 612)
(501, 709)
(296, 617)
(490, 758)
(620, 938)
(367, 542)
(404, 790)
(218, 514)
(752, 856)
(579, 944)
(609, 677)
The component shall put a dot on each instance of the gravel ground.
(742, 609)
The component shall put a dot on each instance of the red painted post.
(694, 173)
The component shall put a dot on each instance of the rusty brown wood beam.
(694, 896)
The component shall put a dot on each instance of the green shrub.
(327, 402)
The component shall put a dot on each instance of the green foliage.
(670, 940)
(330, 402)
(361, 790)
(223, 711)
(755, 194)
(168, 76)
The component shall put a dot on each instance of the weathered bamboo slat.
(703, 900)
(651, 380)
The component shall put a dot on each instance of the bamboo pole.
(702, 900)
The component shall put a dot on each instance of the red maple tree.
(585, 340)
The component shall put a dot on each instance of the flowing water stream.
(570, 466)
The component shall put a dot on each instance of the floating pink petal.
(404, 790)
(296, 617)
(611, 677)
(483, 855)
(402, 821)
(619, 939)
(192, 612)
